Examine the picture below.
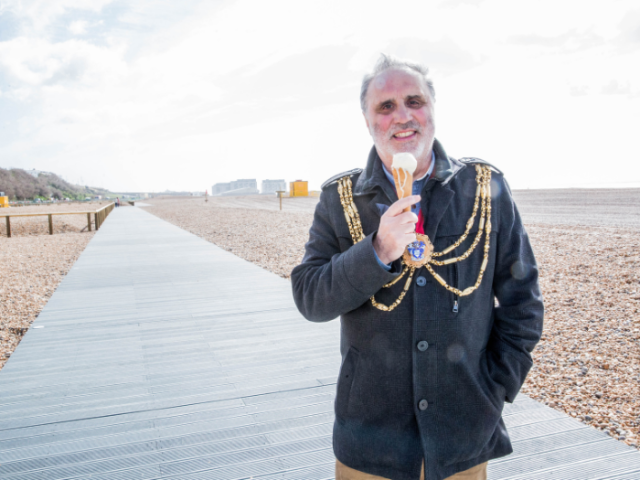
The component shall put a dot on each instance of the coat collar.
(373, 176)
(435, 201)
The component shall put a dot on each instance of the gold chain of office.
(482, 199)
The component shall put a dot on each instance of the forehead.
(396, 84)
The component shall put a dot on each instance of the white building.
(34, 173)
(248, 186)
(272, 186)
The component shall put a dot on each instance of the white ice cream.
(405, 161)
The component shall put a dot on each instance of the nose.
(403, 114)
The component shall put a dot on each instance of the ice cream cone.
(403, 166)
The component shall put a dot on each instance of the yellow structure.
(299, 188)
(4, 202)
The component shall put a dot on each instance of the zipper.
(455, 284)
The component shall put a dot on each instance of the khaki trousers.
(479, 472)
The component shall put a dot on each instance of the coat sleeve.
(517, 326)
(329, 282)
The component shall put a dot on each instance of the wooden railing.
(99, 217)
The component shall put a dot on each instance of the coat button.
(421, 281)
(423, 345)
(423, 404)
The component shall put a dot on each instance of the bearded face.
(399, 114)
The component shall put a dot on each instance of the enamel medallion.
(419, 252)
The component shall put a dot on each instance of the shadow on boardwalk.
(162, 356)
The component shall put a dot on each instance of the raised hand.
(397, 230)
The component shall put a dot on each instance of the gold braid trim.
(482, 199)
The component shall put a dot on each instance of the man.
(427, 361)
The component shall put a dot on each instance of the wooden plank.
(152, 362)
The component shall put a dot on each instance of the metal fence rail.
(99, 217)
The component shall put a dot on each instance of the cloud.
(630, 27)
(246, 97)
(457, 3)
(9, 25)
(79, 27)
(579, 90)
(571, 41)
(39, 14)
(615, 88)
(307, 79)
(32, 62)
(443, 55)
(131, 88)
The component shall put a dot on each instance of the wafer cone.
(403, 166)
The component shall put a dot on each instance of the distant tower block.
(272, 186)
(299, 188)
(219, 188)
(238, 187)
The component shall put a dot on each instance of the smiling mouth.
(404, 135)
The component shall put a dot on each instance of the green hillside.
(18, 184)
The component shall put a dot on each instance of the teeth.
(405, 134)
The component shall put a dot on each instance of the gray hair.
(386, 62)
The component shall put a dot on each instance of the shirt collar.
(421, 179)
(373, 174)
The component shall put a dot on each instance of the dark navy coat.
(429, 379)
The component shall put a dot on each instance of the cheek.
(382, 126)
(425, 118)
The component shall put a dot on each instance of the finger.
(397, 207)
(405, 222)
(407, 218)
(410, 238)
(404, 218)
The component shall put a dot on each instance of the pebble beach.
(586, 365)
(588, 361)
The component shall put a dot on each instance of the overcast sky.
(148, 95)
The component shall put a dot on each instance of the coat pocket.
(470, 430)
(472, 413)
(345, 381)
(494, 391)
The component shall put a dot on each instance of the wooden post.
(8, 227)
(50, 224)
(97, 222)
(280, 192)
(89, 221)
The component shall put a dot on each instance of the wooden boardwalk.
(162, 356)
